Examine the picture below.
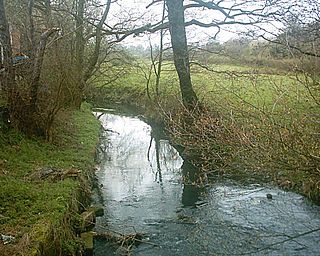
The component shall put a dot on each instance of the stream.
(143, 191)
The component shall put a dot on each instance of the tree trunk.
(31, 42)
(37, 65)
(180, 52)
(79, 51)
(7, 76)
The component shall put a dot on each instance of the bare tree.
(224, 13)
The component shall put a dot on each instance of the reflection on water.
(135, 160)
(144, 191)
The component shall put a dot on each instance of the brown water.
(143, 190)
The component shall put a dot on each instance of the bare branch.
(212, 6)
(218, 23)
(153, 2)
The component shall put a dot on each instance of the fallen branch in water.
(124, 240)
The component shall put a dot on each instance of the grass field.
(243, 86)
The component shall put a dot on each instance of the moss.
(40, 212)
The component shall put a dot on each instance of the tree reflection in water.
(193, 187)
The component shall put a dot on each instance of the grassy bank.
(258, 121)
(42, 184)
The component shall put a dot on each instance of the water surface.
(144, 191)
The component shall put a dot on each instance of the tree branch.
(212, 6)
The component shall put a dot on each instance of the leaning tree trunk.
(99, 36)
(180, 52)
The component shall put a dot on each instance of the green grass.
(27, 202)
(273, 93)
(23, 203)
